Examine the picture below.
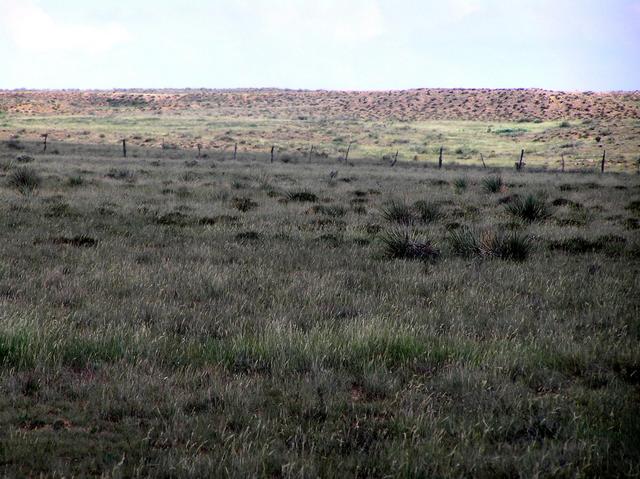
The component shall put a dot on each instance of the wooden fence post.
(346, 156)
(272, 150)
(563, 163)
(44, 147)
(395, 159)
(604, 156)
(199, 148)
(440, 158)
(484, 165)
(235, 151)
(521, 160)
(124, 148)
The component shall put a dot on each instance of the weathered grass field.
(165, 315)
(170, 315)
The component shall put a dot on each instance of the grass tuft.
(25, 180)
(493, 184)
(530, 208)
(397, 211)
(400, 243)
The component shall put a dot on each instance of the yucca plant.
(464, 242)
(396, 211)
(460, 184)
(488, 243)
(493, 184)
(427, 211)
(400, 243)
(25, 180)
(530, 208)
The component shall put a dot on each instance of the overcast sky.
(328, 44)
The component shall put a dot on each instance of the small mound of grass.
(248, 236)
(493, 184)
(25, 180)
(75, 181)
(302, 196)
(335, 211)
(401, 244)
(396, 211)
(243, 204)
(530, 208)
(122, 174)
(566, 202)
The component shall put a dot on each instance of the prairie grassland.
(580, 142)
(165, 315)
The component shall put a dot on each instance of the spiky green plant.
(530, 208)
(25, 180)
(397, 211)
(493, 184)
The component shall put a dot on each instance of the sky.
(574, 45)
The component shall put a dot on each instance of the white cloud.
(32, 28)
(345, 21)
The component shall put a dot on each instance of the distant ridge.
(414, 105)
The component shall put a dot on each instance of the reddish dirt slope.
(422, 104)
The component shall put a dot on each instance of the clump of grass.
(427, 211)
(460, 184)
(399, 243)
(75, 181)
(122, 174)
(243, 204)
(328, 210)
(530, 208)
(396, 211)
(493, 184)
(25, 180)
(248, 236)
(302, 196)
(487, 243)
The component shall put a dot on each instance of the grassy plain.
(168, 315)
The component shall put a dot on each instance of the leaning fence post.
(310, 153)
(604, 156)
(124, 148)
(346, 156)
(440, 158)
(395, 159)
(484, 165)
(44, 147)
